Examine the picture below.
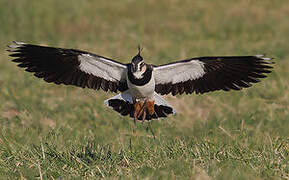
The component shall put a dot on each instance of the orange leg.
(144, 115)
(150, 107)
(138, 109)
(141, 108)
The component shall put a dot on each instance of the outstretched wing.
(70, 67)
(205, 74)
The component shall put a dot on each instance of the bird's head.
(138, 66)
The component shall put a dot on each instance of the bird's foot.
(142, 108)
(144, 115)
(150, 107)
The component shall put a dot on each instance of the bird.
(140, 85)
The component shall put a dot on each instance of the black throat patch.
(147, 75)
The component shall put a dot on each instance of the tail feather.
(123, 104)
(167, 108)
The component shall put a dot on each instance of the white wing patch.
(125, 96)
(102, 67)
(161, 101)
(179, 72)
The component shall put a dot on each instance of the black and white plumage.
(205, 74)
(139, 83)
(70, 67)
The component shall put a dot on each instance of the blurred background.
(37, 118)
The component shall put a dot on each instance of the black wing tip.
(14, 46)
(264, 58)
(266, 62)
(259, 66)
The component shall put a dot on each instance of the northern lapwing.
(140, 84)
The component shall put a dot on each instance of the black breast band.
(142, 81)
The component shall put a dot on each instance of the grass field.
(56, 132)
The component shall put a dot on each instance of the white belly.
(142, 92)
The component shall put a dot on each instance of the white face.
(138, 69)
